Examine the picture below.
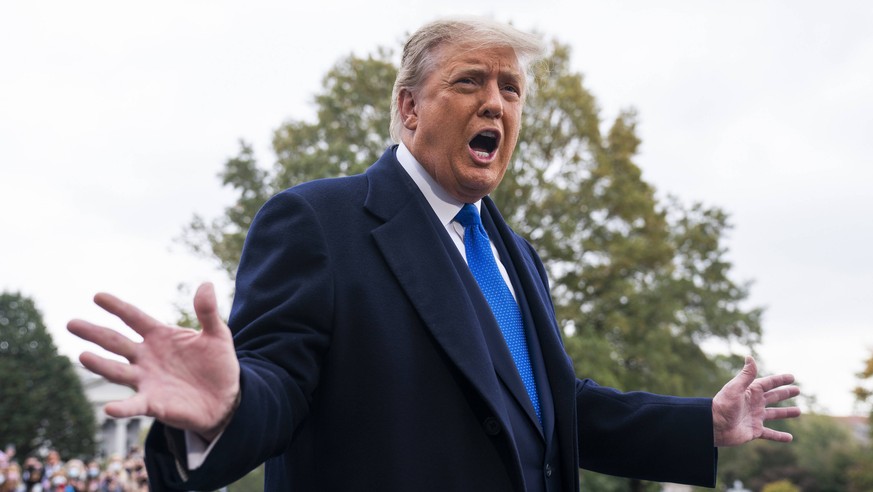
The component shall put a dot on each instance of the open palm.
(184, 378)
(740, 409)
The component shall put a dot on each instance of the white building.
(858, 426)
(114, 436)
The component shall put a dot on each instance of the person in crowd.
(33, 475)
(76, 475)
(114, 477)
(51, 467)
(11, 478)
(7, 455)
(135, 468)
(58, 482)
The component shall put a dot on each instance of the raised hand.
(740, 409)
(184, 378)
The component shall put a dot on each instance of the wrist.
(209, 434)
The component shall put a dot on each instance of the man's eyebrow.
(469, 69)
(481, 68)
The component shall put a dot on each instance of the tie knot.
(468, 216)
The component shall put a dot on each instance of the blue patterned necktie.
(503, 305)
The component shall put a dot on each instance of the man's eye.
(512, 88)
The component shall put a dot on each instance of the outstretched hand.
(740, 409)
(184, 378)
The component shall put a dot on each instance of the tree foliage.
(860, 473)
(864, 390)
(349, 134)
(638, 283)
(824, 457)
(780, 486)
(252, 482)
(42, 403)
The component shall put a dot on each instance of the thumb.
(206, 308)
(748, 373)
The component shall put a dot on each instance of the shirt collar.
(444, 205)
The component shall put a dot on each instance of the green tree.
(780, 486)
(637, 283)
(349, 134)
(860, 473)
(825, 450)
(252, 482)
(758, 463)
(824, 456)
(42, 403)
(864, 391)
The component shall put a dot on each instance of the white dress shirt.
(444, 205)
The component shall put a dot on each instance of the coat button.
(492, 426)
(548, 471)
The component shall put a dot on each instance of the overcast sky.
(115, 118)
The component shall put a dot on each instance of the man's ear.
(408, 111)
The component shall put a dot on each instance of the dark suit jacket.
(365, 364)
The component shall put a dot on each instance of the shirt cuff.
(198, 448)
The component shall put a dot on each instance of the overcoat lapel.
(408, 231)
(559, 369)
(503, 361)
(410, 227)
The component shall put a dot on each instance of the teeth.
(484, 144)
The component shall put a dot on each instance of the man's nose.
(492, 101)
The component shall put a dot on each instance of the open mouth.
(484, 144)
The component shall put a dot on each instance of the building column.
(120, 445)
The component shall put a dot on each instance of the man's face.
(463, 122)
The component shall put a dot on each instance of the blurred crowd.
(53, 474)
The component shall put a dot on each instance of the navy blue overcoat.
(365, 364)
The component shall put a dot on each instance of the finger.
(772, 435)
(781, 394)
(117, 372)
(141, 322)
(106, 338)
(134, 406)
(775, 381)
(778, 413)
(206, 308)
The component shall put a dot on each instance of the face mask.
(2, 479)
(93, 472)
(73, 472)
(59, 481)
(116, 466)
